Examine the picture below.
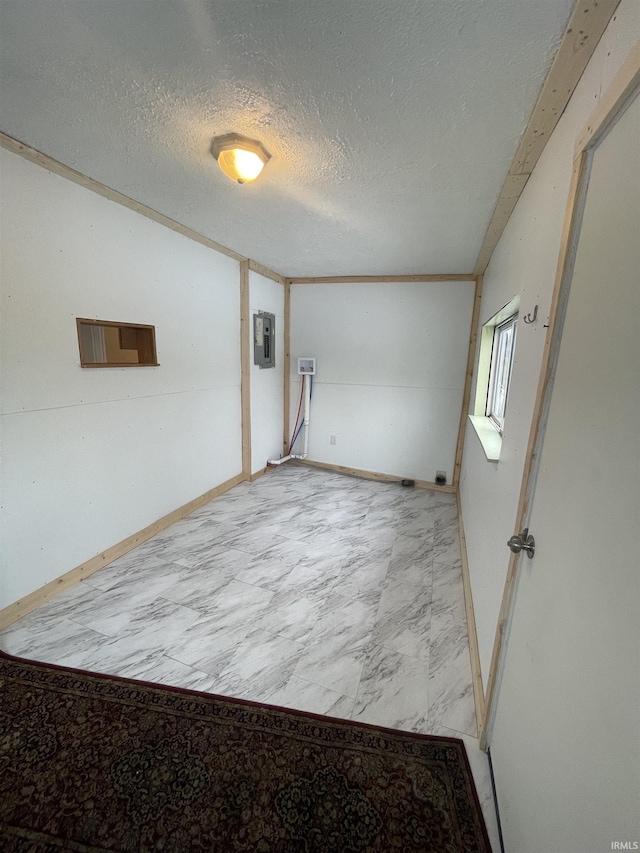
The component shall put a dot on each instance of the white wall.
(391, 361)
(267, 385)
(524, 263)
(90, 456)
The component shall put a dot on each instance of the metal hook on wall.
(529, 318)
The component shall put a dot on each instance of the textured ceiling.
(391, 123)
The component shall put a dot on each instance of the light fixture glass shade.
(240, 158)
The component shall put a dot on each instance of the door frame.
(622, 91)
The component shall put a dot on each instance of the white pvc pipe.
(272, 463)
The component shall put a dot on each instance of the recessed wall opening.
(105, 343)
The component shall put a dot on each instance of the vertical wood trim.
(245, 368)
(287, 366)
(466, 396)
(474, 653)
(566, 260)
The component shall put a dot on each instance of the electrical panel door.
(264, 339)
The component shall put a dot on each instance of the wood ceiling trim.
(584, 30)
(507, 200)
(58, 168)
(34, 156)
(254, 266)
(366, 279)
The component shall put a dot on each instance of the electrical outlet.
(333, 439)
(441, 478)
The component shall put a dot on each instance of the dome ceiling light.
(240, 158)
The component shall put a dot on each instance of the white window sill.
(490, 438)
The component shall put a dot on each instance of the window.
(497, 348)
(104, 343)
(504, 340)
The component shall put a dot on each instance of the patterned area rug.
(91, 762)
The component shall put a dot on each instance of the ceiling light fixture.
(240, 158)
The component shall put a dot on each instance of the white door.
(566, 737)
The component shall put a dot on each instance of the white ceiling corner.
(391, 123)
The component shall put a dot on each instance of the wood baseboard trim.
(259, 474)
(374, 475)
(20, 608)
(474, 653)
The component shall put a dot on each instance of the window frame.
(498, 357)
(488, 432)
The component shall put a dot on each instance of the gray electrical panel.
(264, 339)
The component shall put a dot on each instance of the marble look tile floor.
(307, 589)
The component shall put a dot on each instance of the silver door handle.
(523, 542)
